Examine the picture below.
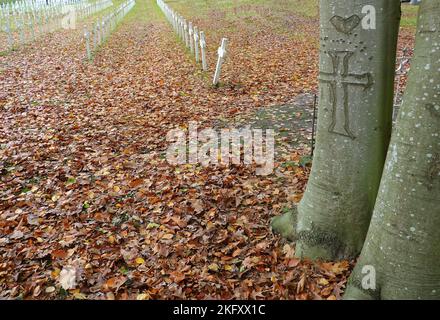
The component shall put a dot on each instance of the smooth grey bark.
(403, 242)
(357, 67)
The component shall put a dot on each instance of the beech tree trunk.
(403, 243)
(357, 66)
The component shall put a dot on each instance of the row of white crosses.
(103, 27)
(194, 39)
(21, 27)
(14, 13)
(190, 35)
(18, 7)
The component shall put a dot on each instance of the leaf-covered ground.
(86, 192)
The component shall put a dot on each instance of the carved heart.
(345, 25)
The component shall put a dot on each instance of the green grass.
(307, 8)
(198, 8)
(278, 16)
(304, 8)
(145, 10)
(409, 15)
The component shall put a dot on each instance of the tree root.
(285, 225)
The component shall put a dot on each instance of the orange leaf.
(135, 183)
(60, 254)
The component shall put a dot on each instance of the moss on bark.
(285, 225)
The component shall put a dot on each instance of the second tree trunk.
(403, 244)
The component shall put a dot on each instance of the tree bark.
(403, 242)
(354, 126)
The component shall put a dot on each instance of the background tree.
(357, 61)
(403, 243)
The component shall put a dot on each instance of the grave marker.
(10, 39)
(21, 30)
(182, 34)
(98, 34)
(102, 30)
(185, 29)
(203, 49)
(191, 37)
(196, 44)
(221, 58)
(187, 32)
(87, 37)
(95, 37)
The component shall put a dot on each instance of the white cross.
(182, 33)
(87, 37)
(31, 27)
(203, 49)
(95, 39)
(102, 30)
(21, 26)
(98, 34)
(191, 37)
(196, 43)
(10, 39)
(185, 31)
(221, 58)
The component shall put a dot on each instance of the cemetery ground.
(85, 185)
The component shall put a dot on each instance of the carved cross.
(339, 81)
